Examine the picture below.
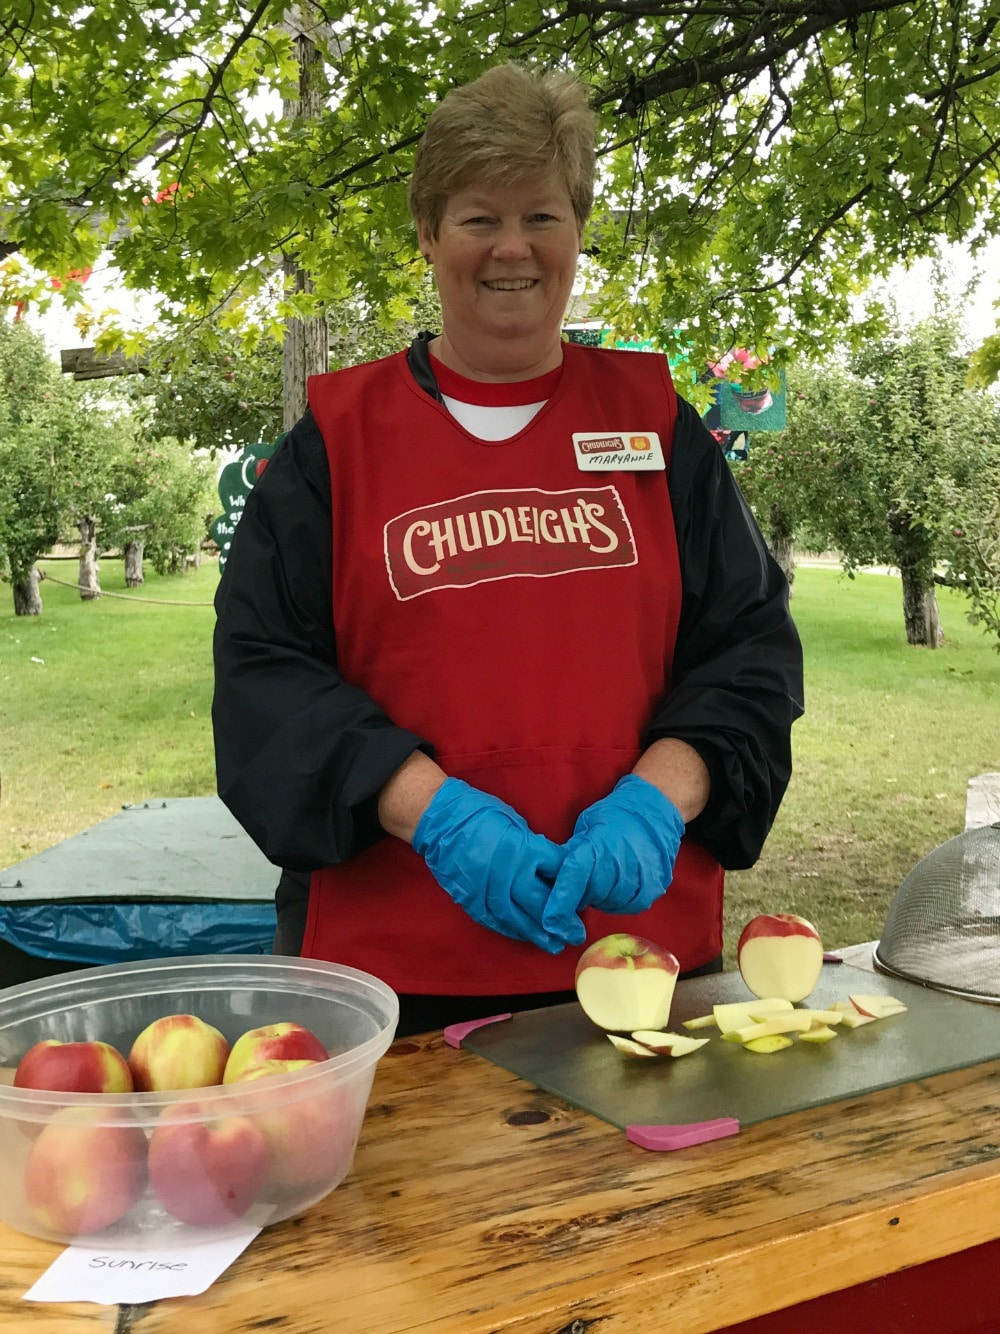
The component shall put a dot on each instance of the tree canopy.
(760, 161)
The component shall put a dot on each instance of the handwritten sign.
(236, 481)
(120, 1275)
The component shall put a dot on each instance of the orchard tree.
(804, 482)
(162, 502)
(931, 450)
(35, 419)
(893, 460)
(759, 162)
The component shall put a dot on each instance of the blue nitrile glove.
(621, 855)
(482, 853)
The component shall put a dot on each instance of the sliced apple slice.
(830, 1016)
(788, 1023)
(737, 1014)
(629, 1047)
(878, 1007)
(818, 1033)
(667, 1044)
(851, 1018)
(777, 1042)
(701, 1021)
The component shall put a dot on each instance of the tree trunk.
(915, 561)
(920, 611)
(305, 350)
(781, 540)
(133, 563)
(88, 577)
(27, 598)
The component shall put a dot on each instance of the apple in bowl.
(272, 1042)
(178, 1051)
(625, 982)
(86, 1169)
(73, 1067)
(207, 1166)
(780, 955)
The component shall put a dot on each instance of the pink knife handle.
(660, 1138)
(454, 1033)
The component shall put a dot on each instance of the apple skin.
(179, 1051)
(207, 1167)
(84, 1171)
(73, 1067)
(272, 1042)
(780, 954)
(625, 982)
(312, 1140)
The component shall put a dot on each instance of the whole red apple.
(85, 1170)
(179, 1051)
(780, 954)
(73, 1067)
(312, 1135)
(272, 1042)
(207, 1167)
(624, 982)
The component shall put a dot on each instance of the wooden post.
(306, 342)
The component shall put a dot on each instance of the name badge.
(621, 451)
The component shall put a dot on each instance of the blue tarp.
(96, 933)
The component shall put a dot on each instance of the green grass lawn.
(117, 710)
(889, 740)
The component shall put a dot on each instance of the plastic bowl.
(243, 1154)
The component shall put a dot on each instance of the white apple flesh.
(877, 1007)
(780, 954)
(667, 1044)
(624, 982)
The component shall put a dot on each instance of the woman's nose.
(510, 242)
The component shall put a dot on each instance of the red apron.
(520, 614)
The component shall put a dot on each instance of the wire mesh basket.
(943, 926)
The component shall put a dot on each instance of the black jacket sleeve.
(300, 753)
(736, 686)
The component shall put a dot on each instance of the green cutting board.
(561, 1051)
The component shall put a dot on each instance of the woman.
(502, 661)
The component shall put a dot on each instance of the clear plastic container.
(76, 1167)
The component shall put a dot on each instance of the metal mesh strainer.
(943, 927)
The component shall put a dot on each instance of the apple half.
(780, 954)
(625, 983)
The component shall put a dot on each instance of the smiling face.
(504, 260)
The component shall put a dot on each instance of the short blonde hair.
(509, 123)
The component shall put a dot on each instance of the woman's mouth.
(509, 284)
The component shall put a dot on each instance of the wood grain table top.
(478, 1203)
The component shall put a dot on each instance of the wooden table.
(478, 1203)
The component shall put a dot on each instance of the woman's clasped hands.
(619, 859)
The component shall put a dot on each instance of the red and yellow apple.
(624, 983)
(206, 1166)
(780, 954)
(73, 1067)
(85, 1170)
(311, 1136)
(178, 1051)
(272, 1042)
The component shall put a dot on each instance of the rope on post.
(125, 597)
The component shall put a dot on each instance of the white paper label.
(122, 1275)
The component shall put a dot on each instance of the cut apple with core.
(780, 954)
(624, 983)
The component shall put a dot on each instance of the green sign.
(235, 483)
